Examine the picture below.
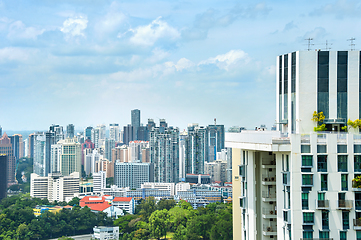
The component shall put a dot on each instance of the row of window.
(307, 180)
(322, 148)
(326, 234)
(307, 162)
(309, 219)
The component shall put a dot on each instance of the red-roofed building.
(102, 204)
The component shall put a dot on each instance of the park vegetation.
(164, 219)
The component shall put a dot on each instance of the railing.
(316, 238)
(305, 138)
(357, 222)
(266, 178)
(345, 204)
(322, 204)
(342, 138)
(266, 194)
(268, 211)
(270, 228)
(358, 204)
(321, 137)
(285, 140)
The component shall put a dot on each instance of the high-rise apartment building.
(99, 181)
(102, 131)
(296, 183)
(109, 144)
(135, 149)
(196, 149)
(66, 157)
(31, 140)
(135, 118)
(18, 145)
(88, 133)
(39, 163)
(95, 137)
(215, 134)
(114, 131)
(7, 148)
(70, 131)
(3, 175)
(164, 153)
(120, 153)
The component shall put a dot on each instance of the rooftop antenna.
(328, 48)
(352, 44)
(215, 121)
(309, 43)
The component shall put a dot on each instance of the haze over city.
(88, 63)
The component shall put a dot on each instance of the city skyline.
(186, 62)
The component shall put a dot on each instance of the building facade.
(132, 175)
(7, 149)
(3, 175)
(296, 183)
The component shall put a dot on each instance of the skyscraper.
(87, 133)
(18, 146)
(70, 131)
(95, 136)
(31, 145)
(6, 148)
(40, 165)
(196, 149)
(164, 153)
(69, 159)
(102, 131)
(135, 118)
(109, 144)
(215, 134)
(3, 175)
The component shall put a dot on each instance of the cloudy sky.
(91, 62)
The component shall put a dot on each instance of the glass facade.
(342, 85)
(285, 87)
(357, 163)
(344, 183)
(304, 201)
(308, 217)
(323, 83)
(342, 163)
(322, 163)
(293, 91)
(306, 161)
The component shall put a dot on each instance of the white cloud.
(111, 21)
(149, 34)
(75, 26)
(18, 29)
(182, 63)
(225, 61)
(13, 54)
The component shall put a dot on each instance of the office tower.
(150, 125)
(54, 187)
(102, 131)
(90, 161)
(196, 149)
(18, 146)
(114, 131)
(88, 133)
(66, 157)
(135, 118)
(87, 144)
(164, 153)
(296, 183)
(31, 139)
(132, 175)
(7, 148)
(95, 136)
(58, 133)
(109, 144)
(215, 141)
(70, 132)
(3, 175)
(129, 134)
(80, 137)
(99, 181)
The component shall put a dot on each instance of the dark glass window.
(357, 163)
(357, 148)
(307, 179)
(322, 163)
(307, 161)
(324, 186)
(358, 235)
(342, 84)
(308, 217)
(305, 149)
(285, 73)
(293, 72)
(325, 224)
(305, 201)
(323, 82)
(307, 235)
(321, 148)
(345, 220)
(280, 74)
(342, 163)
(344, 183)
(341, 148)
(343, 235)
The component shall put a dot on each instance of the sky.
(92, 62)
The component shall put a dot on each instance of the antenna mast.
(309, 43)
(352, 44)
(328, 48)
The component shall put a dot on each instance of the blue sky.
(91, 62)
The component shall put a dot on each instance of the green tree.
(166, 204)
(158, 223)
(147, 207)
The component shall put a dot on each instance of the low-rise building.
(105, 233)
(124, 203)
(161, 186)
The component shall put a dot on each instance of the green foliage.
(110, 181)
(158, 223)
(146, 208)
(166, 204)
(356, 182)
(320, 128)
(318, 117)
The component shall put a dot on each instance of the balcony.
(358, 204)
(270, 230)
(266, 180)
(305, 138)
(322, 204)
(345, 204)
(268, 197)
(269, 213)
(357, 224)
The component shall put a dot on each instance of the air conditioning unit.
(272, 179)
(271, 212)
(271, 203)
(265, 179)
(269, 229)
(273, 162)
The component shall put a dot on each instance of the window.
(322, 163)
(324, 234)
(307, 235)
(343, 235)
(306, 161)
(324, 182)
(342, 163)
(308, 217)
(305, 149)
(307, 179)
(321, 148)
(358, 235)
(345, 220)
(287, 164)
(357, 162)
(285, 216)
(304, 201)
(325, 224)
(341, 148)
(344, 184)
(321, 196)
(357, 148)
